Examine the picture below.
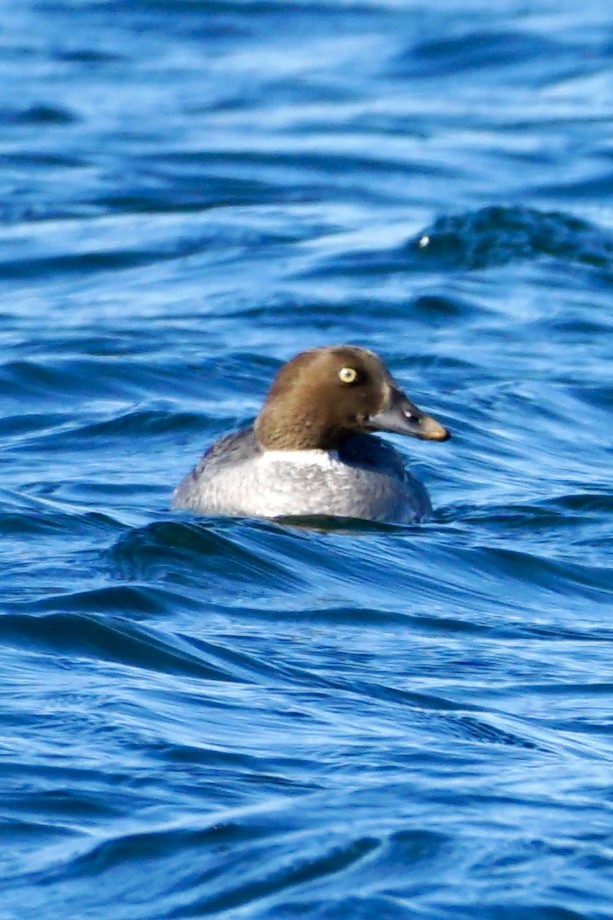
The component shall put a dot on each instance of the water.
(241, 719)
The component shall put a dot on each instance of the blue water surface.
(244, 719)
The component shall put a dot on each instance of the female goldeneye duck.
(309, 451)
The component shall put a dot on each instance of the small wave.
(85, 636)
(497, 235)
(487, 238)
(502, 54)
(163, 546)
(39, 115)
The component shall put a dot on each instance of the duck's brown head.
(323, 396)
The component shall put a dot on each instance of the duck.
(311, 451)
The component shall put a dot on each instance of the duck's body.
(308, 452)
(365, 478)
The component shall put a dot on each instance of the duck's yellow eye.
(348, 375)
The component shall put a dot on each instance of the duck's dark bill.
(401, 416)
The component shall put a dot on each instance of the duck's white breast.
(300, 483)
